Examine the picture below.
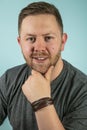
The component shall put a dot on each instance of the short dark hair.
(36, 8)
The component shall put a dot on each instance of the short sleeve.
(76, 117)
(3, 102)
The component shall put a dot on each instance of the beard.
(42, 67)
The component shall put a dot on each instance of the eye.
(48, 38)
(31, 39)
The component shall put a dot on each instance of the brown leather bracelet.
(41, 103)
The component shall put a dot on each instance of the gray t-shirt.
(69, 93)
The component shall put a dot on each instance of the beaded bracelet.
(41, 103)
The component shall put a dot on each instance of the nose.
(39, 45)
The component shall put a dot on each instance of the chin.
(41, 69)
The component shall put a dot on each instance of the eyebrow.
(28, 34)
(50, 33)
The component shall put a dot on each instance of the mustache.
(40, 54)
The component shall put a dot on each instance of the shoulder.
(76, 87)
(75, 73)
(15, 72)
(15, 69)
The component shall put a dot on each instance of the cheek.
(26, 50)
(53, 50)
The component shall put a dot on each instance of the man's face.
(41, 41)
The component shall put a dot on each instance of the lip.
(40, 59)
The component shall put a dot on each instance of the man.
(46, 93)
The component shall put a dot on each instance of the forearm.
(47, 119)
(35, 89)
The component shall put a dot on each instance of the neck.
(57, 69)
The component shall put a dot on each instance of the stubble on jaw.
(40, 67)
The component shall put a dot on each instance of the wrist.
(41, 103)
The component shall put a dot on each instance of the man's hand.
(37, 86)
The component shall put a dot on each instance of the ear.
(18, 39)
(64, 39)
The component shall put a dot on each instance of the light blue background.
(74, 14)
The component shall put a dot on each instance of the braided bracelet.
(41, 103)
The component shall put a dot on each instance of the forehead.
(41, 22)
(41, 18)
(37, 16)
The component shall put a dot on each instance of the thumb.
(48, 73)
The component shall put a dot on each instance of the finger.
(33, 72)
(49, 73)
